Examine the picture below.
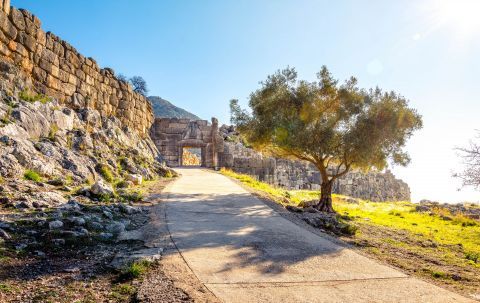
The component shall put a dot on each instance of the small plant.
(168, 174)
(121, 184)
(6, 117)
(2, 180)
(473, 256)
(134, 196)
(32, 176)
(134, 270)
(31, 97)
(53, 131)
(106, 173)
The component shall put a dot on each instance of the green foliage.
(134, 270)
(327, 124)
(6, 117)
(53, 131)
(169, 174)
(106, 173)
(395, 215)
(29, 96)
(32, 176)
(132, 196)
(473, 256)
(121, 184)
(2, 180)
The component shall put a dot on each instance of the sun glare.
(462, 16)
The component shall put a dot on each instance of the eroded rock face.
(58, 142)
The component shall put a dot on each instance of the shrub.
(106, 173)
(53, 131)
(134, 196)
(29, 96)
(473, 256)
(32, 176)
(134, 270)
(168, 174)
(121, 184)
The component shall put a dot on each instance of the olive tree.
(337, 127)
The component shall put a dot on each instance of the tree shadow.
(244, 231)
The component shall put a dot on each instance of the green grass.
(29, 96)
(134, 270)
(456, 231)
(402, 215)
(32, 176)
(106, 173)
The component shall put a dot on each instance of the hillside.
(165, 109)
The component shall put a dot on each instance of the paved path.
(243, 251)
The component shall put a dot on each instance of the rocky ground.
(75, 200)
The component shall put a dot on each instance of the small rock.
(105, 236)
(294, 209)
(95, 226)
(456, 277)
(100, 189)
(23, 205)
(39, 253)
(136, 179)
(58, 242)
(56, 224)
(21, 246)
(83, 232)
(115, 227)
(108, 214)
(4, 235)
(77, 221)
(5, 200)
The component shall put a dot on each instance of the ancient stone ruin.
(51, 66)
(172, 136)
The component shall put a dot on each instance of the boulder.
(101, 188)
(56, 224)
(135, 179)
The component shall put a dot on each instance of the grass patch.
(132, 196)
(53, 131)
(31, 97)
(134, 270)
(32, 176)
(106, 173)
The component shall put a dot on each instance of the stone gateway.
(173, 135)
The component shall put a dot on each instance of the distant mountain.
(164, 109)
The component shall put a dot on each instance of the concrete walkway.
(243, 251)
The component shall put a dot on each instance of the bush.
(106, 173)
(473, 256)
(32, 176)
(134, 196)
(134, 270)
(28, 96)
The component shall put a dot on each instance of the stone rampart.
(374, 186)
(51, 66)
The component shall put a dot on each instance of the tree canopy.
(139, 85)
(335, 126)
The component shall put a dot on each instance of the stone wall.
(374, 186)
(53, 67)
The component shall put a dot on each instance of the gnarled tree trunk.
(325, 203)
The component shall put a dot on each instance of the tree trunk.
(325, 203)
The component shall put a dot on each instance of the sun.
(461, 16)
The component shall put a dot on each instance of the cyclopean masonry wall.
(374, 186)
(51, 66)
(171, 135)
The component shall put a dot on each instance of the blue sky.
(200, 54)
